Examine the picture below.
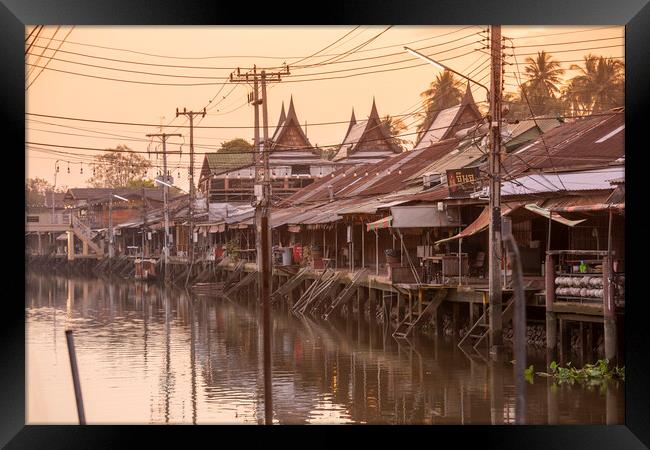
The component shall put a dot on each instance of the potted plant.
(232, 250)
(393, 256)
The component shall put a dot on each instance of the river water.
(148, 355)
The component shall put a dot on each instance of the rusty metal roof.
(585, 142)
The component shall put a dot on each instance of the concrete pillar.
(440, 332)
(70, 235)
(609, 312)
(455, 321)
(372, 305)
(551, 323)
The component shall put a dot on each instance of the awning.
(481, 222)
(532, 207)
(422, 216)
(62, 237)
(378, 224)
(294, 228)
(592, 207)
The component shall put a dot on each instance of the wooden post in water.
(75, 377)
(551, 322)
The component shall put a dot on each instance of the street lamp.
(443, 67)
(495, 239)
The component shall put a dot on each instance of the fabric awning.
(532, 207)
(481, 222)
(294, 228)
(378, 224)
(592, 207)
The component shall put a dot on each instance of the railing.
(82, 228)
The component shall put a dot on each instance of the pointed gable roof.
(359, 131)
(289, 135)
(444, 122)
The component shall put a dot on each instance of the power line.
(50, 58)
(47, 47)
(249, 56)
(326, 47)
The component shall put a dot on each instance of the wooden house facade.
(294, 164)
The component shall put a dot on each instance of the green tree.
(118, 167)
(237, 145)
(599, 86)
(143, 182)
(542, 87)
(35, 189)
(445, 91)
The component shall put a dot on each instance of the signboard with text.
(462, 182)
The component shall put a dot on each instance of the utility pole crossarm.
(262, 213)
(163, 138)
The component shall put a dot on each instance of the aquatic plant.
(595, 373)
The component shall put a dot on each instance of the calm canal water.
(151, 356)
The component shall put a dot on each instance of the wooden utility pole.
(165, 185)
(262, 192)
(495, 246)
(191, 115)
(144, 222)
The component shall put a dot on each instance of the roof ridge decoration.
(466, 102)
(373, 121)
(290, 119)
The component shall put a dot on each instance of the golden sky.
(217, 50)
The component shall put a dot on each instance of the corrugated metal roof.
(586, 180)
(580, 143)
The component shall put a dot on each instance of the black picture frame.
(634, 14)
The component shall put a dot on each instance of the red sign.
(462, 181)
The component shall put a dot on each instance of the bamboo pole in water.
(75, 377)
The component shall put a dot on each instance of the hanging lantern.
(68, 167)
(57, 169)
(81, 171)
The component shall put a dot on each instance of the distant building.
(228, 177)
(445, 123)
(366, 141)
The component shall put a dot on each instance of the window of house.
(300, 170)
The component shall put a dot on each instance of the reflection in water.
(152, 355)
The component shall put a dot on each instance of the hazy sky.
(213, 52)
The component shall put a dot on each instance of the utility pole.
(191, 115)
(144, 221)
(110, 225)
(495, 244)
(163, 138)
(262, 212)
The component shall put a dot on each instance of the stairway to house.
(83, 232)
(290, 284)
(386, 299)
(481, 328)
(249, 278)
(313, 291)
(415, 319)
(345, 294)
(230, 279)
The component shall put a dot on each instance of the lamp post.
(495, 239)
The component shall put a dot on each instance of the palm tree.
(544, 77)
(445, 91)
(394, 126)
(598, 87)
